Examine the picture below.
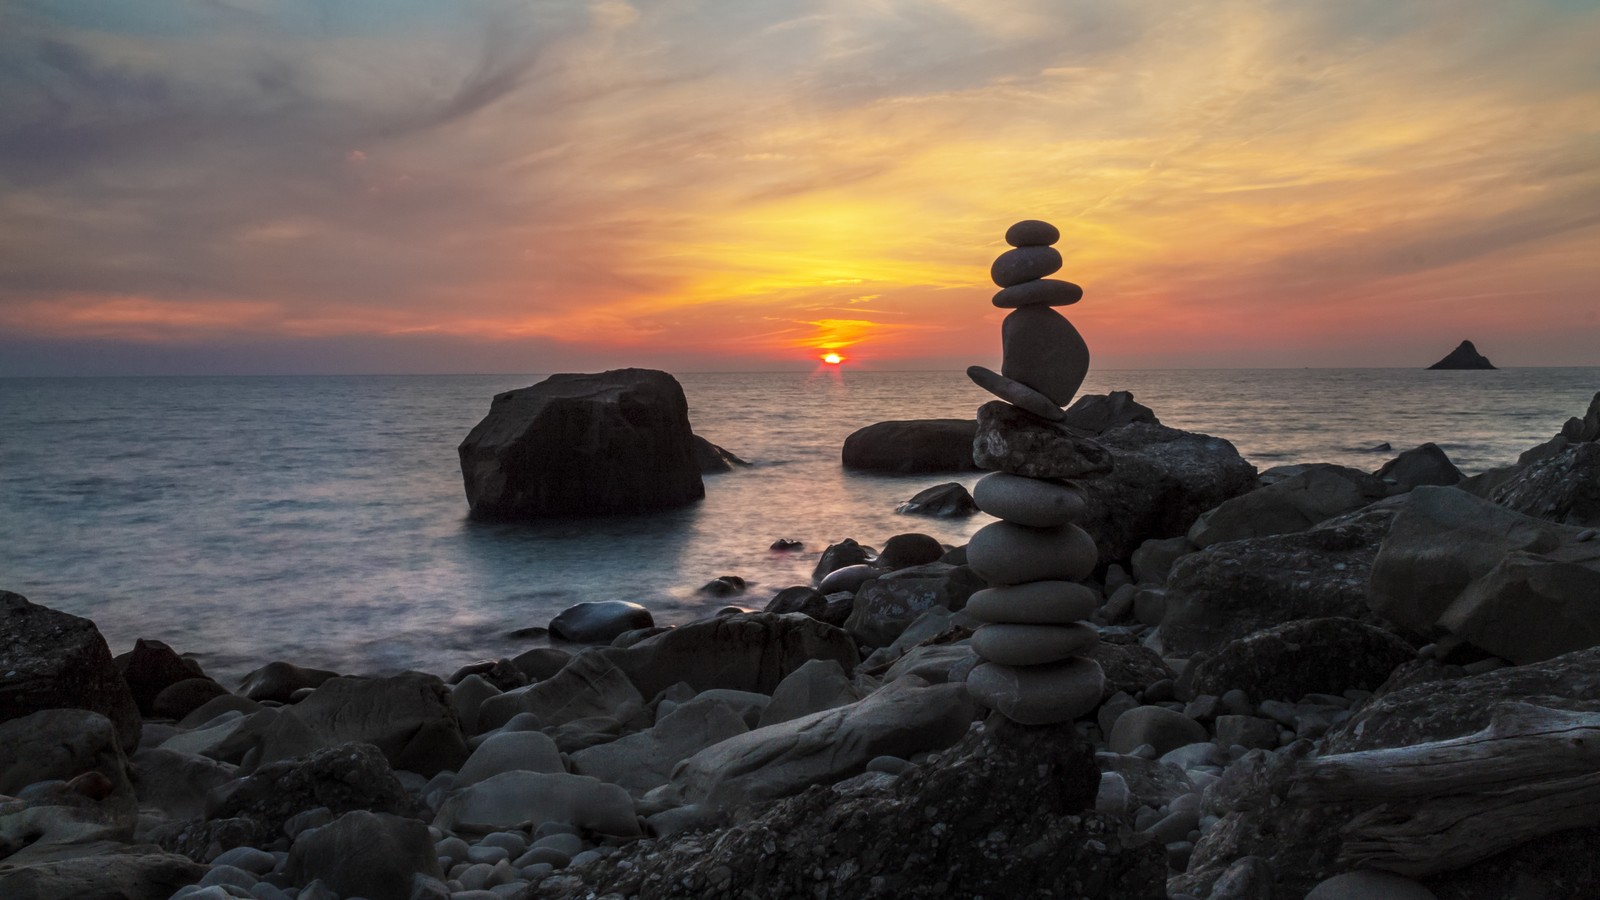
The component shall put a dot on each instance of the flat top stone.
(1032, 233)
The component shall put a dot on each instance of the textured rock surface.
(583, 444)
(1010, 440)
(885, 606)
(134, 874)
(912, 446)
(1301, 501)
(342, 778)
(1002, 814)
(942, 501)
(1288, 661)
(365, 854)
(410, 717)
(50, 660)
(1563, 488)
(743, 652)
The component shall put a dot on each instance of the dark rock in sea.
(1099, 413)
(1464, 356)
(583, 444)
(599, 621)
(849, 578)
(1306, 656)
(119, 873)
(1232, 589)
(364, 854)
(942, 501)
(278, 681)
(911, 549)
(723, 586)
(1011, 440)
(836, 556)
(1162, 480)
(1418, 466)
(1004, 813)
(151, 667)
(1312, 496)
(801, 598)
(912, 447)
(885, 606)
(787, 544)
(52, 660)
(712, 459)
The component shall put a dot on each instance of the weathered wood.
(1532, 772)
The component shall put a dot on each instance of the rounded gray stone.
(1037, 602)
(849, 578)
(1162, 728)
(1024, 264)
(1028, 501)
(1032, 233)
(1039, 695)
(1016, 393)
(1042, 350)
(1032, 645)
(1369, 884)
(1040, 292)
(1003, 553)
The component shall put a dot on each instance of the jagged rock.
(342, 777)
(913, 446)
(1099, 413)
(583, 444)
(1563, 488)
(52, 660)
(1010, 440)
(1313, 496)
(1464, 356)
(1230, 590)
(1162, 480)
(1426, 464)
(711, 459)
(885, 606)
(1129, 667)
(942, 501)
(1005, 813)
(151, 667)
(1288, 661)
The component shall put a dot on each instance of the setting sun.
(832, 359)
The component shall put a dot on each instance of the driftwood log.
(1446, 804)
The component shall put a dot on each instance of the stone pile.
(1034, 667)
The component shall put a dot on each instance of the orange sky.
(496, 186)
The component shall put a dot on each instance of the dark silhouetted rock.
(1010, 440)
(942, 501)
(911, 447)
(713, 460)
(1312, 496)
(1418, 466)
(801, 598)
(837, 556)
(151, 667)
(279, 680)
(410, 717)
(1004, 813)
(1099, 413)
(910, 549)
(616, 442)
(178, 700)
(1464, 356)
(365, 854)
(53, 660)
(127, 873)
(1307, 656)
(599, 622)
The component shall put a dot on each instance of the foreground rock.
(131, 873)
(1464, 356)
(364, 854)
(1002, 814)
(51, 660)
(912, 446)
(616, 442)
(1307, 498)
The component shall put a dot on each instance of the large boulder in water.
(1464, 356)
(912, 446)
(616, 442)
(52, 660)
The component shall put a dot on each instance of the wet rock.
(583, 444)
(52, 660)
(942, 501)
(598, 622)
(711, 459)
(911, 447)
(278, 681)
(1426, 464)
(838, 556)
(802, 599)
(903, 551)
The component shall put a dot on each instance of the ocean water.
(322, 519)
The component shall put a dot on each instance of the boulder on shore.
(1464, 356)
(583, 444)
(53, 660)
(912, 446)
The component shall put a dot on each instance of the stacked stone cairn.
(1033, 666)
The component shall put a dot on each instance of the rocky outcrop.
(912, 446)
(712, 459)
(1464, 356)
(410, 717)
(52, 660)
(1310, 497)
(150, 668)
(1288, 661)
(364, 854)
(1005, 813)
(1099, 413)
(884, 606)
(1563, 487)
(616, 442)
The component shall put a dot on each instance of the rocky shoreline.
(1319, 682)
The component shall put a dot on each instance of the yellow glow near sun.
(832, 359)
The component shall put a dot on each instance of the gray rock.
(278, 681)
(528, 751)
(61, 744)
(122, 873)
(590, 685)
(1305, 656)
(539, 663)
(1154, 559)
(902, 719)
(1043, 351)
(1039, 695)
(52, 660)
(1249, 732)
(1032, 233)
(1369, 884)
(802, 599)
(1418, 466)
(911, 447)
(1039, 292)
(178, 700)
(1530, 608)
(1315, 495)
(1015, 393)
(176, 784)
(511, 799)
(1032, 645)
(583, 444)
(711, 459)
(1161, 728)
(1024, 264)
(151, 667)
(885, 606)
(1129, 667)
(942, 501)
(1028, 501)
(599, 622)
(817, 686)
(1099, 413)
(365, 854)
(838, 556)
(1040, 602)
(1010, 440)
(1563, 488)
(1005, 554)
(639, 762)
(743, 652)
(410, 717)
(933, 663)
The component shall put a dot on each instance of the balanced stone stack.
(1033, 668)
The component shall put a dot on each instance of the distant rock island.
(1464, 356)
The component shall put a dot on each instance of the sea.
(322, 520)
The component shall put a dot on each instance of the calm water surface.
(322, 520)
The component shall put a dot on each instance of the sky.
(279, 186)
